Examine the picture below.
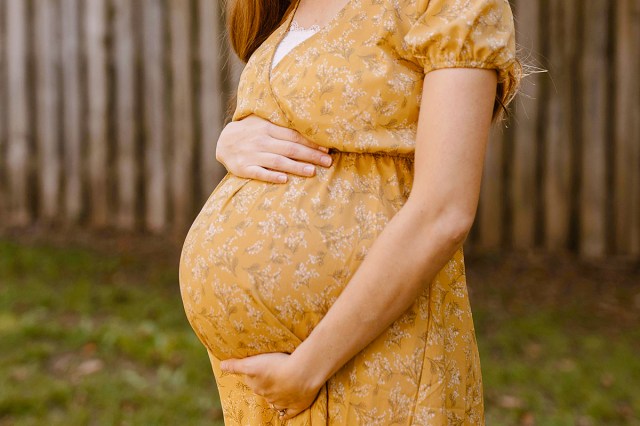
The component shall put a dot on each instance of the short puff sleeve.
(467, 34)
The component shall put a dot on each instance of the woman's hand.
(276, 378)
(258, 149)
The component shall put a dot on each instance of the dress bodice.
(355, 85)
(294, 36)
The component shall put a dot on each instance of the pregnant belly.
(262, 263)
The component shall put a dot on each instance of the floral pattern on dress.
(263, 263)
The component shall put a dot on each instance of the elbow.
(454, 226)
(219, 154)
(451, 224)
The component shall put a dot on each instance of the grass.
(90, 338)
(99, 337)
(559, 341)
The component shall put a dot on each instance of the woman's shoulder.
(461, 33)
(445, 9)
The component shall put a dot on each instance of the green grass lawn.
(93, 337)
(89, 338)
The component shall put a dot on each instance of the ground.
(97, 336)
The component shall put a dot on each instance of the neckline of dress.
(297, 27)
(286, 27)
(279, 35)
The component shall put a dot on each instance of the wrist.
(314, 370)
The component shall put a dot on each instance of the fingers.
(273, 168)
(286, 134)
(265, 175)
(296, 151)
(290, 413)
(282, 412)
(285, 413)
(258, 149)
(234, 366)
(281, 163)
(228, 366)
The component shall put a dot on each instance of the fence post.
(212, 101)
(18, 114)
(4, 106)
(524, 185)
(47, 98)
(492, 196)
(125, 126)
(559, 130)
(595, 106)
(95, 30)
(183, 143)
(72, 110)
(155, 116)
(627, 130)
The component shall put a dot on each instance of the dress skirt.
(263, 263)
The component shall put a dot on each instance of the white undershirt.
(294, 36)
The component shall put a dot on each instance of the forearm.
(405, 257)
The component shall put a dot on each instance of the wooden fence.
(110, 111)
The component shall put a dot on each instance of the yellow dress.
(263, 262)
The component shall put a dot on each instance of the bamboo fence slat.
(526, 139)
(595, 138)
(73, 117)
(211, 109)
(95, 30)
(17, 114)
(491, 214)
(4, 106)
(627, 127)
(183, 142)
(559, 128)
(48, 98)
(125, 126)
(155, 116)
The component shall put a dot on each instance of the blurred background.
(109, 115)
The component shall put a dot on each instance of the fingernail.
(282, 179)
(223, 366)
(326, 160)
(309, 170)
(323, 148)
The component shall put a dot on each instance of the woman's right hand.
(255, 148)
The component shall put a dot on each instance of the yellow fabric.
(263, 263)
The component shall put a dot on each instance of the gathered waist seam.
(375, 154)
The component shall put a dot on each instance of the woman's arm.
(255, 148)
(417, 242)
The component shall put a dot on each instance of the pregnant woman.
(338, 296)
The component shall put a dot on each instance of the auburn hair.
(251, 22)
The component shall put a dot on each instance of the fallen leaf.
(90, 366)
(510, 401)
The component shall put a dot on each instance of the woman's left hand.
(275, 377)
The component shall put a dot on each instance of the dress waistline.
(405, 156)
